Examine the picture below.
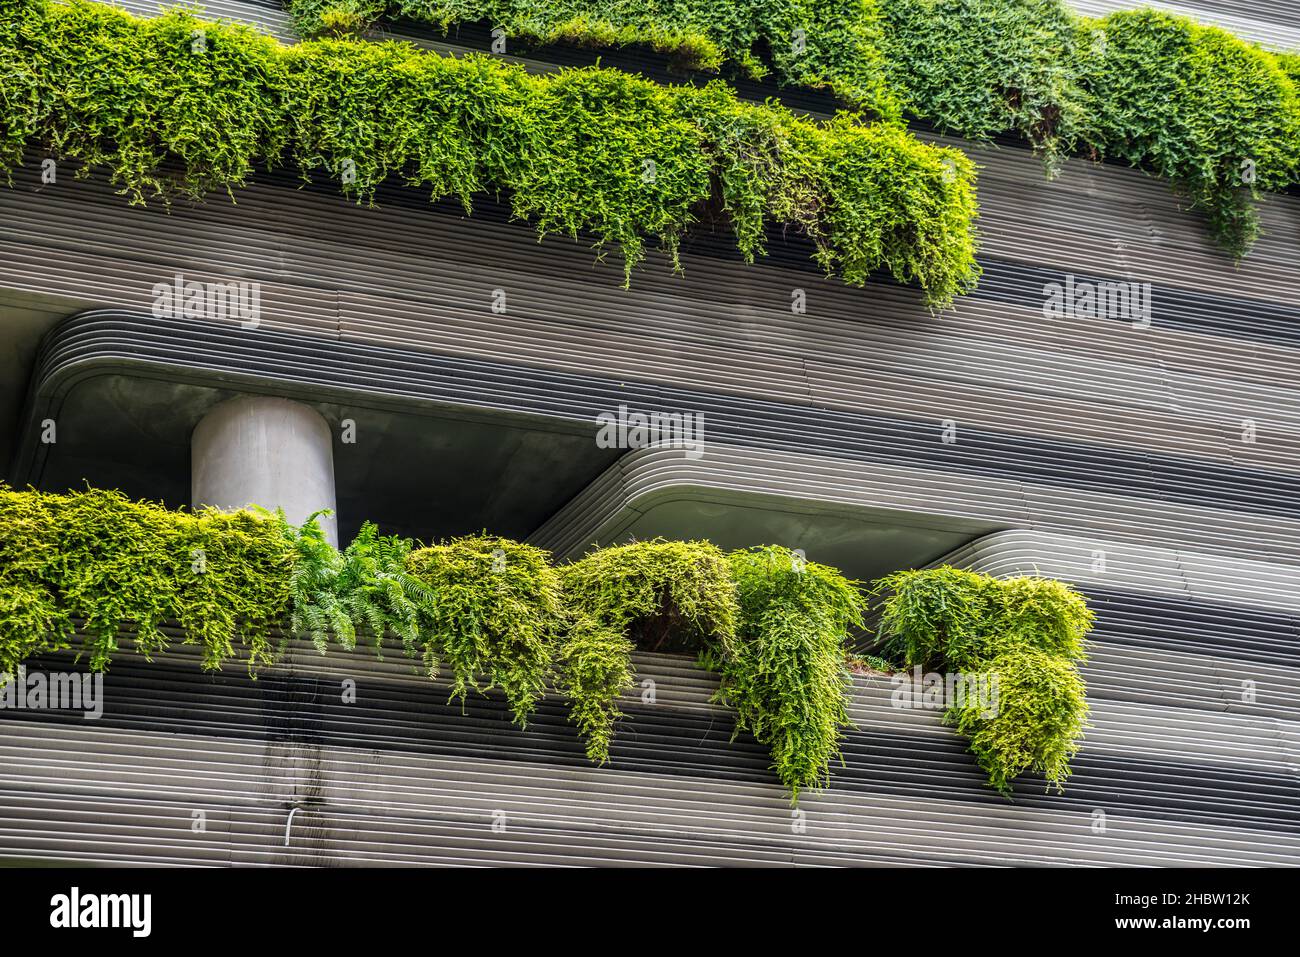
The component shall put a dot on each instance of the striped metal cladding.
(784, 445)
(1270, 23)
(405, 777)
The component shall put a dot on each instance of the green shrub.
(657, 595)
(138, 97)
(487, 607)
(22, 96)
(335, 17)
(1192, 104)
(175, 105)
(1041, 714)
(1027, 633)
(785, 671)
(1156, 90)
(499, 615)
(773, 627)
(980, 69)
(492, 616)
(120, 569)
(958, 619)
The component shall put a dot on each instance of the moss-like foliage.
(1212, 113)
(646, 594)
(979, 69)
(1040, 716)
(170, 105)
(178, 106)
(120, 569)
(785, 672)
(773, 626)
(809, 43)
(486, 608)
(1023, 634)
(960, 619)
(493, 616)
(497, 614)
(1217, 116)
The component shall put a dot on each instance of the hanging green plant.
(364, 591)
(785, 671)
(1020, 637)
(175, 105)
(981, 69)
(955, 618)
(657, 595)
(497, 614)
(1040, 713)
(493, 616)
(1215, 115)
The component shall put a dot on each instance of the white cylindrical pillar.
(255, 450)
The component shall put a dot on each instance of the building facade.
(1114, 405)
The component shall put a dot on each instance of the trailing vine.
(785, 672)
(493, 616)
(1215, 115)
(1218, 117)
(1023, 636)
(658, 592)
(1040, 717)
(175, 106)
(773, 626)
(498, 615)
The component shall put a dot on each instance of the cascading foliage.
(175, 106)
(1024, 636)
(126, 568)
(497, 614)
(785, 674)
(1218, 117)
(772, 625)
(658, 591)
(493, 616)
(1215, 115)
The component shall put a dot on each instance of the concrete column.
(253, 450)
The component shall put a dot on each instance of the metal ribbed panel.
(648, 478)
(403, 778)
(269, 16)
(755, 447)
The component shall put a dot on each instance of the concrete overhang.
(445, 446)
